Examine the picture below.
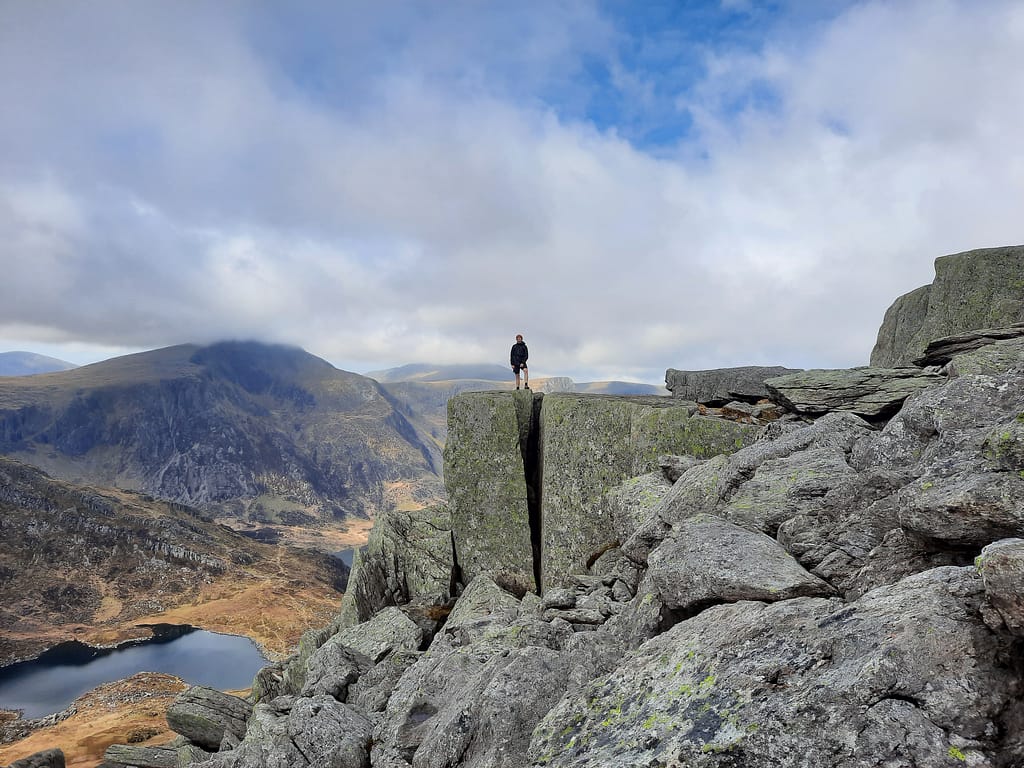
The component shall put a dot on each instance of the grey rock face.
(992, 359)
(409, 555)
(718, 386)
(388, 631)
(288, 732)
(1001, 565)
(332, 668)
(971, 290)
(941, 351)
(485, 474)
(868, 392)
(203, 715)
(800, 682)
(590, 444)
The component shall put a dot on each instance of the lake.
(53, 681)
(345, 555)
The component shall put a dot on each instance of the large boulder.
(486, 474)
(971, 290)
(718, 386)
(204, 715)
(590, 444)
(708, 560)
(867, 392)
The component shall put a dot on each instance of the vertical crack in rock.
(533, 467)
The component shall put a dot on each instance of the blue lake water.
(345, 555)
(53, 681)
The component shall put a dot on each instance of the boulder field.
(621, 581)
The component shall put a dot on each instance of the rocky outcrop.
(719, 386)
(490, 485)
(971, 290)
(409, 557)
(867, 392)
(941, 351)
(837, 593)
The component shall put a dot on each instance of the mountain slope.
(263, 433)
(29, 363)
(89, 564)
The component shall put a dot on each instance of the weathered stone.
(803, 682)
(672, 467)
(1001, 565)
(141, 757)
(559, 598)
(370, 693)
(409, 556)
(483, 607)
(965, 509)
(590, 444)
(490, 721)
(629, 503)
(333, 667)
(717, 387)
(867, 392)
(389, 630)
(708, 561)
(486, 477)
(203, 715)
(575, 615)
(189, 754)
(786, 487)
(941, 351)
(737, 410)
(974, 289)
(1004, 445)
(1000, 357)
(294, 669)
(289, 732)
(49, 758)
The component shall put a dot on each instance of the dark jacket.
(519, 353)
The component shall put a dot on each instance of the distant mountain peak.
(29, 363)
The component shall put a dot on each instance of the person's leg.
(517, 377)
(526, 377)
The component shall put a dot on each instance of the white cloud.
(164, 181)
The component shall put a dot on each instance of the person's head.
(519, 337)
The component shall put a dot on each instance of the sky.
(633, 185)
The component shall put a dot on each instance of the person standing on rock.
(519, 356)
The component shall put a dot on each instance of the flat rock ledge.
(719, 386)
(941, 351)
(867, 392)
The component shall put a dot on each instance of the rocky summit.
(620, 582)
